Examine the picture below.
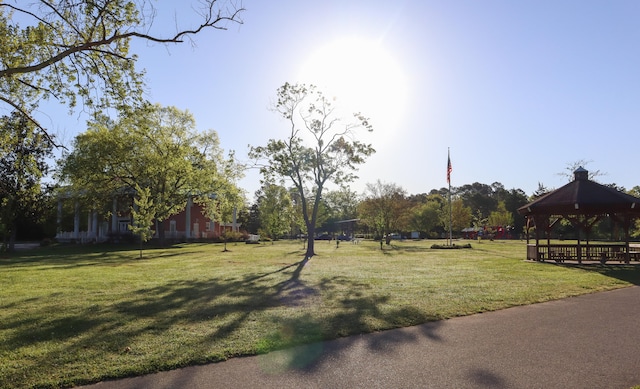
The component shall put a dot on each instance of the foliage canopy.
(156, 148)
(23, 153)
(79, 51)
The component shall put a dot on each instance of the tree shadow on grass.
(68, 256)
(299, 344)
(307, 348)
(399, 249)
(151, 329)
(625, 272)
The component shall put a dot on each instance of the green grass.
(74, 315)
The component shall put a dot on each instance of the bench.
(634, 251)
(558, 256)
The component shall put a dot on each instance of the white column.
(94, 223)
(59, 218)
(234, 227)
(76, 220)
(114, 216)
(187, 218)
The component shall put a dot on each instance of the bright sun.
(363, 77)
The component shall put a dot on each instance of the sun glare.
(362, 77)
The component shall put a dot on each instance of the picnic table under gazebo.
(583, 203)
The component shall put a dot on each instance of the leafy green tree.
(479, 197)
(501, 216)
(319, 149)
(80, 50)
(461, 216)
(249, 217)
(385, 208)
(539, 192)
(157, 148)
(143, 213)
(337, 205)
(444, 192)
(515, 199)
(635, 229)
(276, 210)
(223, 208)
(343, 203)
(23, 153)
(298, 226)
(426, 217)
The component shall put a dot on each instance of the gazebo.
(583, 203)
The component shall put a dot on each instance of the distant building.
(190, 223)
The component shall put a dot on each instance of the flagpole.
(450, 218)
(450, 207)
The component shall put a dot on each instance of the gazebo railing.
(583, 252)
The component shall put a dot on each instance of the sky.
(516, 90)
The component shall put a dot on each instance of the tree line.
(386, 208)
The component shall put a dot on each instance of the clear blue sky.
(517, 89)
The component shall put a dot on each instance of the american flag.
(449, 169)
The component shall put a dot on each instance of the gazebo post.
(626, 226)
(587, 231)
(542, 226)
(579, 226)
(579, 248)
(537, 246)
(588, 228)
(547, 228)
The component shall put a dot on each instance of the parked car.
(343, 237)
(324, 237)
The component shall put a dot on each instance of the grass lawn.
(74, 315)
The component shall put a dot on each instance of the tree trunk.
(161, 234)
(310, 242)
(11, 247)
(311, 234)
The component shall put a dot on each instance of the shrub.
(454, 246)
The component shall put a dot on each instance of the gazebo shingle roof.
(583, 196)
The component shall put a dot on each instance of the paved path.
(590, 341)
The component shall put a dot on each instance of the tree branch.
(28, 13)
(32, 120)
(210, 22)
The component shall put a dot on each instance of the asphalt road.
(591, 341)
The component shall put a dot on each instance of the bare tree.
(581, 163)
